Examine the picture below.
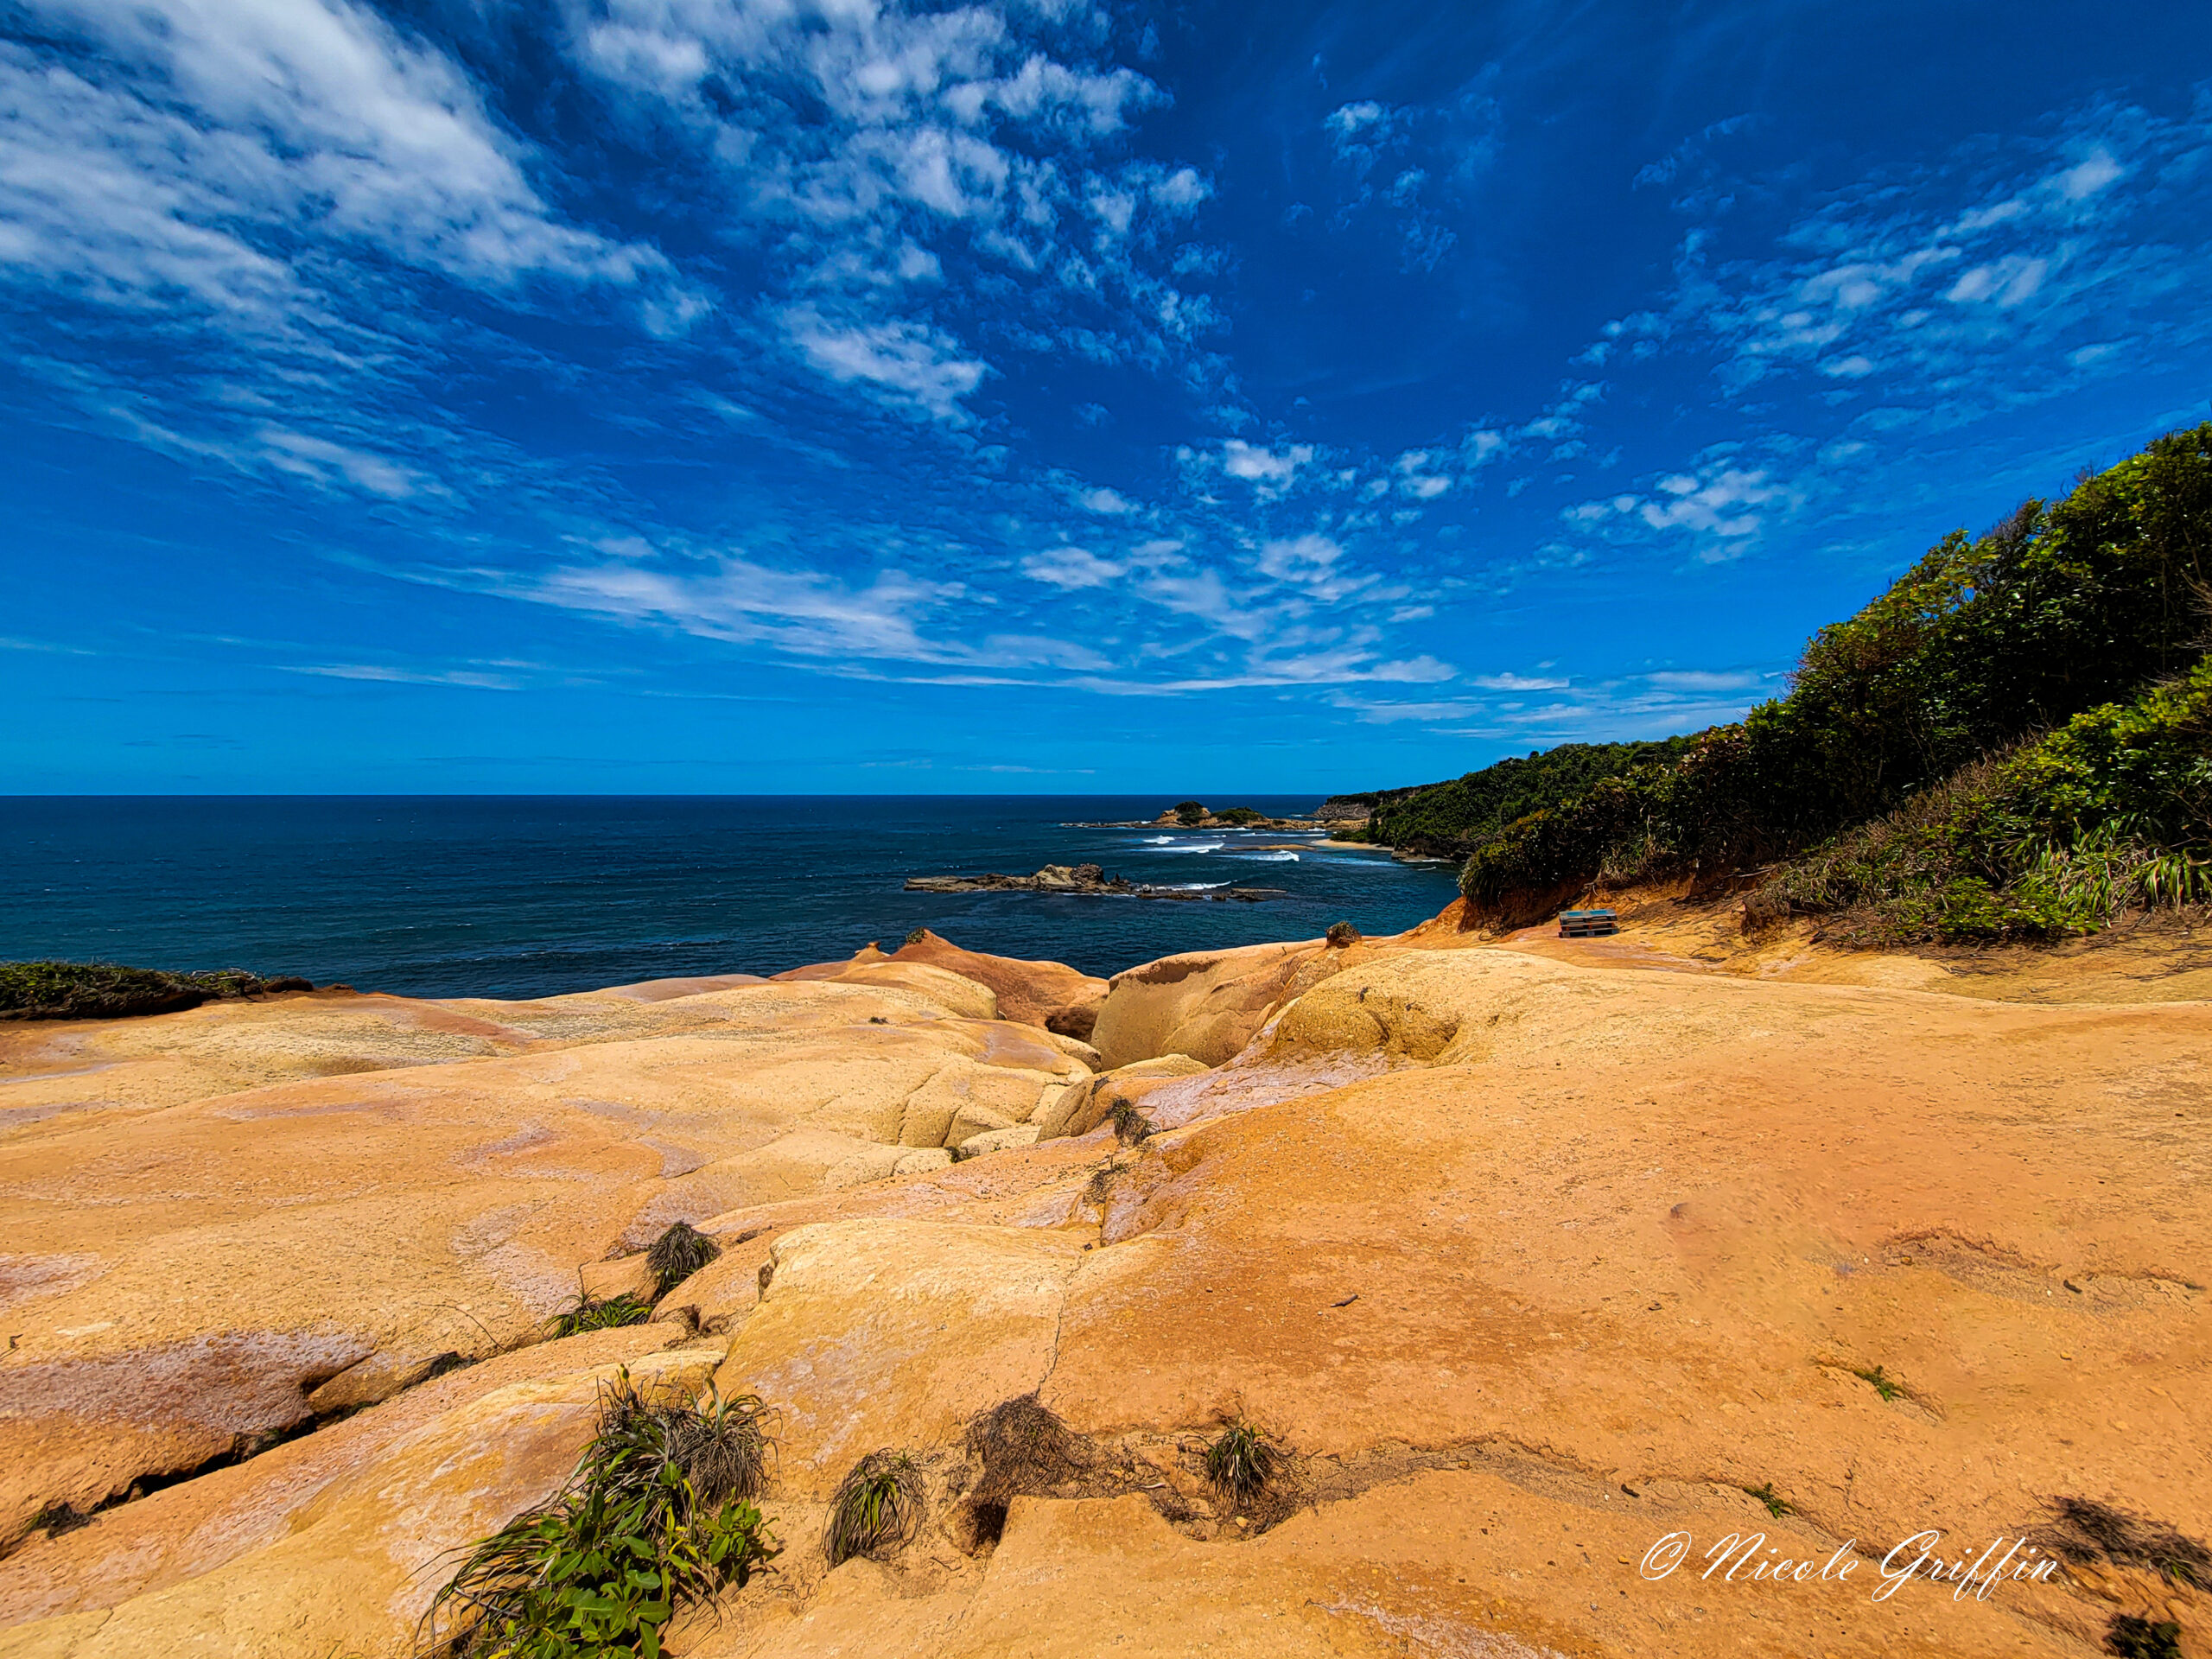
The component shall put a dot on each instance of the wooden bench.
(1586, 924)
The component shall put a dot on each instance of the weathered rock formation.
(1087, 879)
(1524, 1258)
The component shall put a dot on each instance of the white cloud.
(1349, 120)
(1723, 505)
(1299, 558)
(234, 127)
(1519, 683)
(1112, 503)
(1271, 470)
(318, 459)
(1070, 568)
(911, 363)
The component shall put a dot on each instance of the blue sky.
(763, 396)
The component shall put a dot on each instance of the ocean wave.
(1268, 858)
(1205, 847)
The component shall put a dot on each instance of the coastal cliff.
(1507, 1263)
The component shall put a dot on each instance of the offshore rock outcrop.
(1089, 879)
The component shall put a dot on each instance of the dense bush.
(1449, 819)
(2109, 813)
(1985, 641)
(102, 990)
(655, 1515)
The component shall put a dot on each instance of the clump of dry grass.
(1024, 1446)
(1131, 1127)
(678, 1254)
(877, 1508)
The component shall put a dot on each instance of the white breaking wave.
(1205, 847)
(1268, 858)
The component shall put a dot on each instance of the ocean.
(509, 896)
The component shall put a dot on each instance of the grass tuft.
(1241, 1463)
(679, 1253)
(1888, 1387)
(1765, 1494)
(650, 1520)
(589, 1314)
(1131, 1127)
(877, 1508)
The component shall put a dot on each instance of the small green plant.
(679, 1253)
(1131, 1127)
(877, 1508)
(1765, 1494)
(1240, 1462)
(1100, 1186)
(591, 1313)
(1189, 812)
(1888, 1387)
(648, 1521)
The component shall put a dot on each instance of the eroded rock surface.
(1523, 1264)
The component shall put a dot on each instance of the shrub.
(2110, 813)
(590, 1314)
(1189, 812)
(877, 1508)
(647, 1521)
(679, 1253)
(1240, 1462)
(102, 990)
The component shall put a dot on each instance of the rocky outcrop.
(1047, 994)
(188, 1283)
(1207, 1004)
(1521, 1265)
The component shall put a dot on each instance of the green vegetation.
(1765, 1494)
(877, 1508)
(1884, 1386)
(2059, 835)
(655, 1515)
(2014, 742)
(1449, 820)
(1189, 811)
(679, 1253)
(101, 990)
(592, 1314)
(1239, 1464)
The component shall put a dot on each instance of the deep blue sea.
(513, 896)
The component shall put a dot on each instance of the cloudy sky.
(822, 396)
